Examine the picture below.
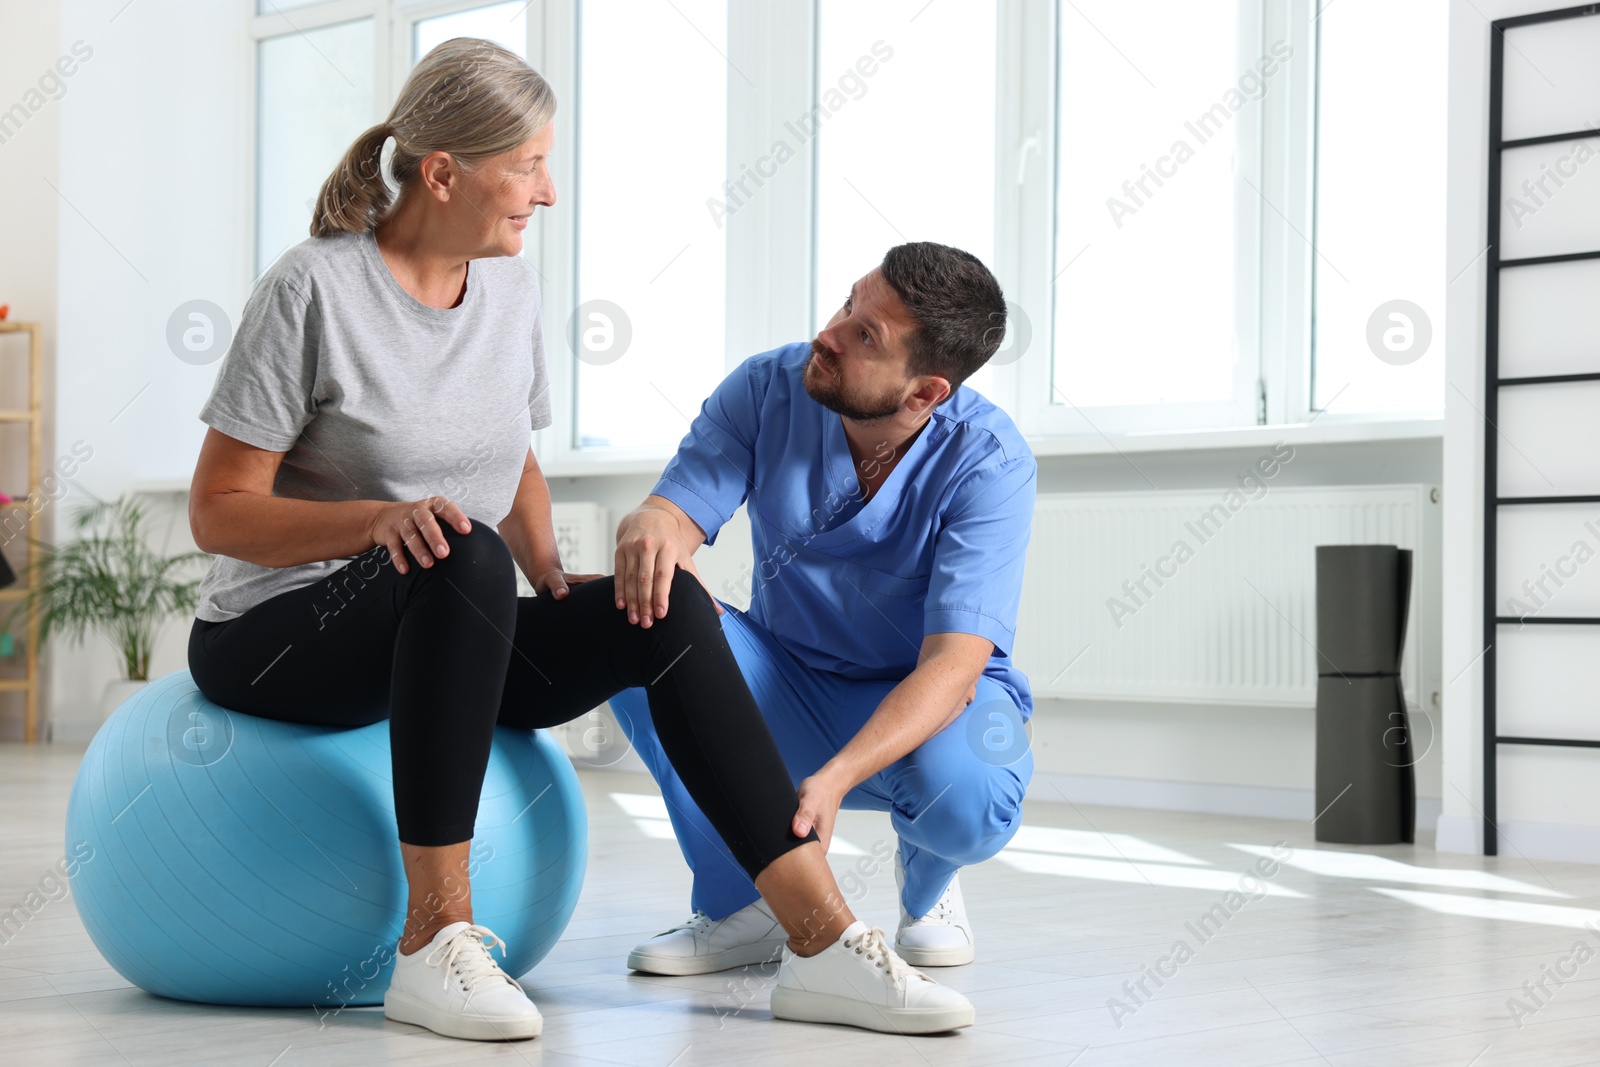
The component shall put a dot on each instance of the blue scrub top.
(853, 588)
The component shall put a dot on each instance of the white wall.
(1552, 808)
(155, 209)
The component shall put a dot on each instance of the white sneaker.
(748, 936)
(941, 938)
(859, 981)
(454, 987)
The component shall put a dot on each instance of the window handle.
(1028, 146)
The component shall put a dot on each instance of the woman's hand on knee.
(557, 583)
(413, 525)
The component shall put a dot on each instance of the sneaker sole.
(728, 958)
(803, 1006)
(936, 957)
(404, 1008)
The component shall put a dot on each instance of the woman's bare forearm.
(281, 531)
(529, 528)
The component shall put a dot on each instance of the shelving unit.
(33, 415)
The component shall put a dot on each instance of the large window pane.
(652, 147)
(1380, 216)
(905, 135)
(315, 98)
(504, 24)
(1152, 101)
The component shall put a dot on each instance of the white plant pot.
(117, 692)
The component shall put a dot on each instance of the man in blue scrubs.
(890, 511)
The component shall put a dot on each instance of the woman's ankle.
(805, 949)
(417, 936)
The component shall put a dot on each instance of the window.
(1155, 217)
(315, 96)
(905, 133)
(652, 140)
(505, 24)
(1182, 199)
(1379, 264)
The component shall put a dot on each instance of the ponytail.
(354, 199)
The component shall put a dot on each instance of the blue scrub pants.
(949, 806)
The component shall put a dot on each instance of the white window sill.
(1318, 432)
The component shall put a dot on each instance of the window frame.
(771, 241)
(1042, 409)
(1310, 128)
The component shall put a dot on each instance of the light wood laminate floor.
(1357, 956)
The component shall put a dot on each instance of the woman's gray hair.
(469, 97)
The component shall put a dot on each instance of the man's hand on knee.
(650, 547)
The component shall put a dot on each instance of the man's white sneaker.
(454, 987)
(702, 945)
(941, 938)
(859, 981)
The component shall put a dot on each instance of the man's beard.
(826, 390)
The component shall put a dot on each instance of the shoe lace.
(874, 945)
(942, 913)
(467, 955)
(697, 923)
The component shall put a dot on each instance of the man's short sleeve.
(978, 556)
(711, 473)
(263, 394)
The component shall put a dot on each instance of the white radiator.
(1219, 605)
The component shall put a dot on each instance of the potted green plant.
(109, 579)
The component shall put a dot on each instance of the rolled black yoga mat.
(6, 575)
(1366, 789)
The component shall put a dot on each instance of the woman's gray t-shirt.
(374, 395)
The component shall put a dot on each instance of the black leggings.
(448, 652)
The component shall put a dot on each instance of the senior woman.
(367, 486)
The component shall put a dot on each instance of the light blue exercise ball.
(229, 859)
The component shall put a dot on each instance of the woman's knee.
(479, 555)
(688, 599)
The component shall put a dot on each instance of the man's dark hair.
(957, 309)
